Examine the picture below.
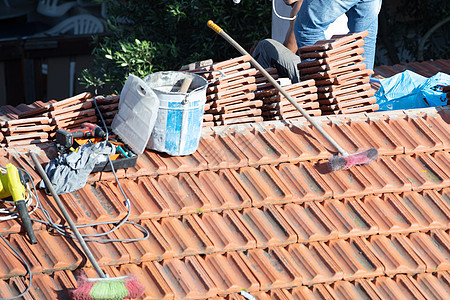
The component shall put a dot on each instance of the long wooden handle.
(313, 122)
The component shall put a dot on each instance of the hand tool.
(13, 184)
(185, 85)
(65, 138)
(93, 288)
(336, 162)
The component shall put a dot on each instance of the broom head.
(337, 163)
(117, 288)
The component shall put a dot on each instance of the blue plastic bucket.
(178, 125)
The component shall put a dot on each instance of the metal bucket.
(178, 125)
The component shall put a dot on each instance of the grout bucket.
(179, 120)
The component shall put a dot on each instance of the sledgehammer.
(336, 162)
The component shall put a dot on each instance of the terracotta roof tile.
(432, 248)
(389, 288)
(147, 200)
(304, 182)
(156, 285)
(315, 263)
(226, 231)
(431, 287)
(230, 273)
(348, 217)
(396, 254)
(259, 146)
(309, 222)
(355, 258)
(267, 226)
(264, 185)
(20, 244)
(428, 209)
(221, 152)
(272, 267)
(223, 189)
(51, 258)
(186, 278)
(358, 289)
(298, 143)
(389, 214)
(13, 287)
(185, 234)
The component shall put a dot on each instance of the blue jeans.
(315, 16)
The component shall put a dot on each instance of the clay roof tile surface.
(254, 209)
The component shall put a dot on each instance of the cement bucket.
(178, 124)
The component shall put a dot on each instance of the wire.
(279, 16)
(9, 213)
(64, 230)
(27, 266)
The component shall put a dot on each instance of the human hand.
(290, 2)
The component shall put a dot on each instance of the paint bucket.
(179, 121)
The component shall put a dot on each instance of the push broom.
(103, 288)
(336, 162)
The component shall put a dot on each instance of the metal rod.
(72, 225)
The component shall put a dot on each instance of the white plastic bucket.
(179, 121)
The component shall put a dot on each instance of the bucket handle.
(212, 81)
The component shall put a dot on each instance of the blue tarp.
(408, 90)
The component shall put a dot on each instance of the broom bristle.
(126, 287)
(134, 287)
(344, 162)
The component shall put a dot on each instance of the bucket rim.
(204, 85)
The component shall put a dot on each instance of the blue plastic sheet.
(408, 90)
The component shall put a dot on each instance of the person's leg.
(315, 16)
(364, 16)
(272, 54)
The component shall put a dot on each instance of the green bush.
(149, 36)
(403, 24)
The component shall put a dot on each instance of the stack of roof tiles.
(277, 107)
(238, 93)
(230, 96)
(38, 123)
(340, 74)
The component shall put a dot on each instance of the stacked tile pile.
(277, 107)
(39, 123)
(341, 77)
(230, 96)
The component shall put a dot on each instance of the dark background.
(51, 67)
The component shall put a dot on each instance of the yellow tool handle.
(17, 191)
(214, 27)
(15, 186)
